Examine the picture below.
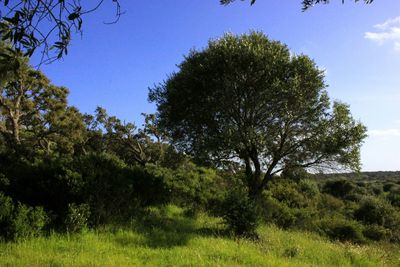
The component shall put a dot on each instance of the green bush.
(6, 215)
(306, 218)
(389, 186)
(341, 229)
(309, 188)
(4, 181)
(28, 222)
(77, 217)
(376, 211)
(114, 191)
(274, 211)
(354, 197)
(376, 232)
(50, 183)
(339, 188)
(395, 235)
(329, 203)
(20, 221)
(240, 213)
(191, 186)
(377, 189)
(278, 213)
(286, 191)
(394, 197)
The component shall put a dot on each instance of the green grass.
(167, 238)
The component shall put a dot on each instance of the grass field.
(168, 238)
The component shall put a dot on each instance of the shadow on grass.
(161, 230)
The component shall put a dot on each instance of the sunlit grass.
(167, 238)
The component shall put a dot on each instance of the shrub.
(354, 197)
(191, 186)
(50, 183)
(114, 190)
(338, 188)
(6, 215)
(395, 235)
(20, 221)
(305, 218)
(278, 211)
(377, 189)
(274, 211)
(240, 213)
(341, 229)
(27, 222)
(394, 197)
(286, 192)
(4, 181)
(309, 188)
(376, 232)
(389, 186)
(361, 183)
(376, 211)
(77, 217)
(330, 203)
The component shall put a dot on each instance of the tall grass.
(166, 237)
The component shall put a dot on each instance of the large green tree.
(248, 99)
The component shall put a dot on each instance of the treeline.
(379, 175)
(62, 170)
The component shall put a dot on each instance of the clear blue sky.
(113, 65)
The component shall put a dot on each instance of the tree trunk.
(254, 188)
(255, 180)
(263, 184)
(14, 116)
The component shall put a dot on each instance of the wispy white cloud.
(388, 23)
(387, 32)
(385, 132)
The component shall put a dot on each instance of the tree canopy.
(34, 113)
(247, 99)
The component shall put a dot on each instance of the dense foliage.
(64, 170)
(341, 209)
(61, 170)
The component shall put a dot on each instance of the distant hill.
(378, 175)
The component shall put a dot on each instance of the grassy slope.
(170, 239)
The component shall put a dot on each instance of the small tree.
(248, 99)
